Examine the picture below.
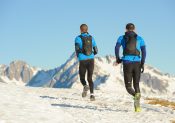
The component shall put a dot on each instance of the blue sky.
(42, 32)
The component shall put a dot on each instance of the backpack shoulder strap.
(90, 36)
(85, 37)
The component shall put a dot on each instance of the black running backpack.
(87, 45)
(131, 45)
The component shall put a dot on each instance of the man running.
(86, 48)
(134, 54)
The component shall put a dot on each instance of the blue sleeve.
(143, 49)
(77, 40)
(78, 45)
(142, 42)
(93, 42)
(119, 40)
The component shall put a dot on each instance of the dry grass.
(172, 121)
(166, 103)
(161, 102)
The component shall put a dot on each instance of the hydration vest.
(131, 44)
(87, 45)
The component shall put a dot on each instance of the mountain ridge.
(106, 75)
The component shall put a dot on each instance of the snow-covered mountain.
(113, 104)
(106, 76)
(44, 78)
(18, 72)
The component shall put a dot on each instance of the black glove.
(95, 50)
(118, 60)
(142, 67)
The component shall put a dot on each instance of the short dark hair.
(82, 25)
(130, 26)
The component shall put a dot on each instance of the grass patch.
(162, 102)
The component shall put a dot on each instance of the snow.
(24, 105)
(21, 104)
(14, 81)
(35, 70)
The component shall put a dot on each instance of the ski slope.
(19, 104)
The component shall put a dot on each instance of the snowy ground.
(47, 105)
